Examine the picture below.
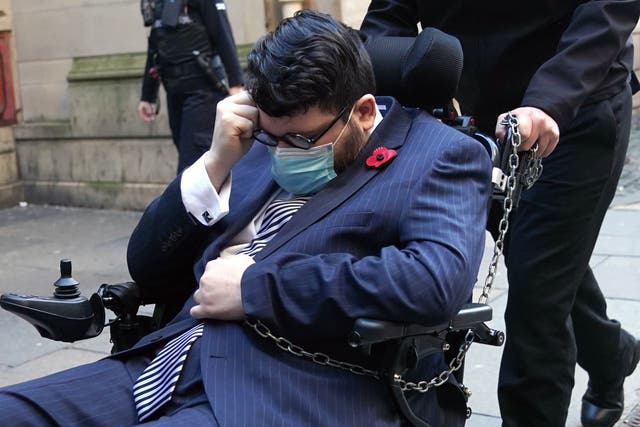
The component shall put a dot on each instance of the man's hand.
(146, 111)
(535, 125)
(236, 118)
(218, 296)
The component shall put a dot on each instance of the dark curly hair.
(309, 60)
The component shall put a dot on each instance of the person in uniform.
(191, 50)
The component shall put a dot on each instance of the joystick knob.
(66, 286)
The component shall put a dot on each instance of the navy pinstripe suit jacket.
(401, 242)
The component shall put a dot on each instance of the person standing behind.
(563, 68)
(191, 49)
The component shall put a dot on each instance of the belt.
(183, 70)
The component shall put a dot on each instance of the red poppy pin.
(380, 156)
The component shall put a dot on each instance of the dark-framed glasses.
(294, 139)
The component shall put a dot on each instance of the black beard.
(347, 149)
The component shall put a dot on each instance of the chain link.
(319, 358)
(532, 171)
(454, 365)
(529, 175)
(511, 122)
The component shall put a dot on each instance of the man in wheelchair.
(317, 204)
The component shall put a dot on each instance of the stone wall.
(11, 191)
(102, 156)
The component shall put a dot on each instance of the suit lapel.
(390, 133)
(243, 209)
(248, 208)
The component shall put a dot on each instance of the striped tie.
(156, 383)
(277, 214)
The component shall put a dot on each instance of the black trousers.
(556, 314)
(192, 115)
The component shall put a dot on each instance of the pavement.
(33, 239)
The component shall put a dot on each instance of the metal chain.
(529, 175)
(319, 358)
(534, 169)
(454, 365)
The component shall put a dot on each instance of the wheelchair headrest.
(420, 71)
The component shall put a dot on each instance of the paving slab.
(35, 238)
(54, 361)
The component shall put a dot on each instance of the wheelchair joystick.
(67, 316)
(66, 286)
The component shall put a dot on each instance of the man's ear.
(364, 111)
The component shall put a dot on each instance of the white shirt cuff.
(199, 196)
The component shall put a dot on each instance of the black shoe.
(602, 406)
(599, 411)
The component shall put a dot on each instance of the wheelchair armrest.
(372, 331)
(471, 315)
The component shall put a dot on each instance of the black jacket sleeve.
(150, 85)
(215, 19)
(591, 45)
(163, 247)
(397, 18)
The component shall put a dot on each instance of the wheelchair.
(421, 72)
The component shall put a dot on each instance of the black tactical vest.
(179, 34)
